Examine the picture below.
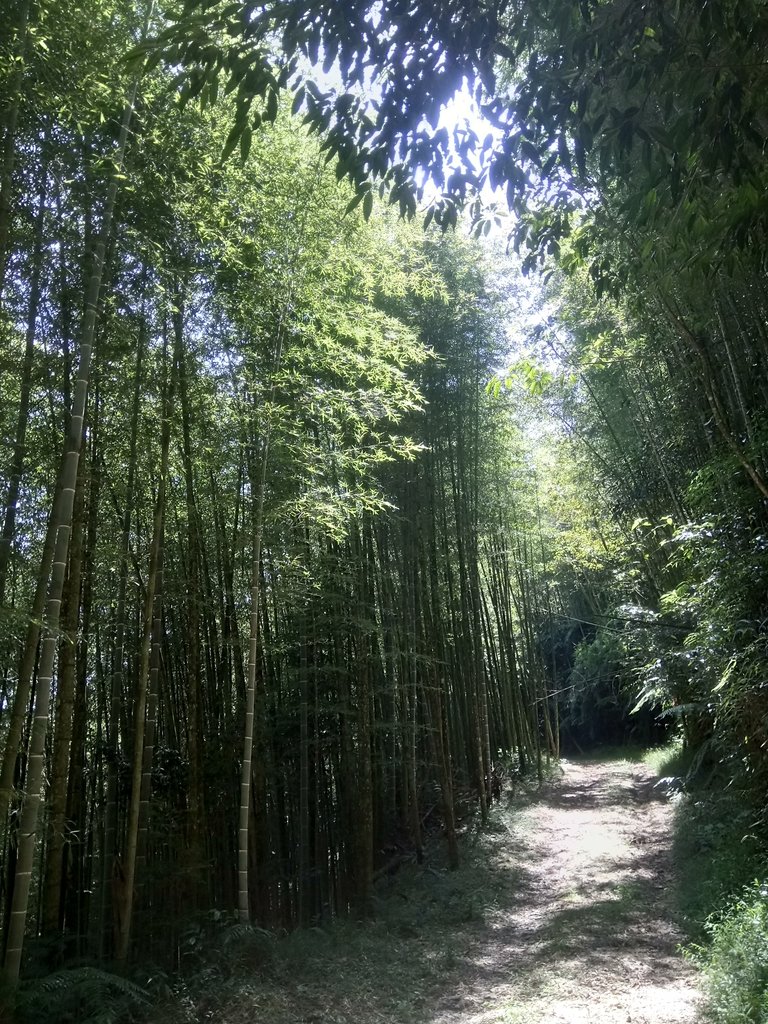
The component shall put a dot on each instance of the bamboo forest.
(384, 503)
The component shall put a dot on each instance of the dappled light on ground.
(587, 936)
(561, 912)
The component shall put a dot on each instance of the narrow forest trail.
(588, 936)
(562, 912)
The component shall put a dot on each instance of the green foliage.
(701, 658)
(735, 964)
(672, 760)
(535, 379)
(81, 995)
(425, 919)
(596, 704)
(656, 104)
(724, 568)
(621, 684)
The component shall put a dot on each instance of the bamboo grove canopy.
(576, 93)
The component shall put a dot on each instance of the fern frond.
(239, 933)
(88, 995)
(66, 980)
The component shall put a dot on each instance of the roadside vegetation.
(719, 841)
(720, 853)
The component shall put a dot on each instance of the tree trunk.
(127, 870)
(258, 483)
(9, 146)
(195, 846)
(108, 912)
(62, 736)
(19, 447)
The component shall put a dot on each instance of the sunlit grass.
(671, 759)
(668, 759)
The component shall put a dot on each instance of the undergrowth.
(388, 968)
(424, 918)
(722, 894)
(80, 995)
(427, 919)
(735, 963)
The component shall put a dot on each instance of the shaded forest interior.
(326, 513)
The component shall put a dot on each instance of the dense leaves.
(580, 96)
(257, 638)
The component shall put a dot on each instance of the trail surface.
(588, 936)
(562, 912)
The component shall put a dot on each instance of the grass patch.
(669, 759)
(628, 753)
(672, 760)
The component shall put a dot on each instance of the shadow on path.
(561, 912)
(587, 934)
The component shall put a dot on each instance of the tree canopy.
(579, 94)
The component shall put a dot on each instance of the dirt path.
(561, 913)
(588, 935)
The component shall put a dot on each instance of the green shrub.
(736, 963)
(718, 847)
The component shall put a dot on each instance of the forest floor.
(563, 911)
